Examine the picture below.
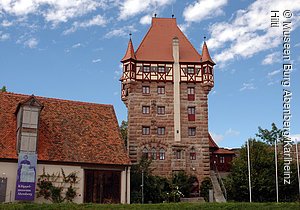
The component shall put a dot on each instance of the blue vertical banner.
(26, 176)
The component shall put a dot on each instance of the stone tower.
(165, 84)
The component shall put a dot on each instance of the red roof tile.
(69, 131)
(205, 54)
(211, 142)
(157, 44)
(130, 52)
(224, 151)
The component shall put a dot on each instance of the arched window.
(193, 154)
(153, 153)
(145, 153)
(162, 153)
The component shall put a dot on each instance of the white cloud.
(247, 86)
(95, 21)
(231, 132)
(146, 20)
(52, 10)
(203, 9)
(120, 32)
(6, 23)
(31, 43)
(131, 8)
(249, 32)
(273, 73)
(271, 58)
(76, 45)
(4, 36)
(96, 60)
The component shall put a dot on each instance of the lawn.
(179, 206)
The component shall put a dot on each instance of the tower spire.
(205, 53)
(130, 51)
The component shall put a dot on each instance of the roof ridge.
(55, 99)
(188, 42)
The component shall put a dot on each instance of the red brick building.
(220, 158)
(75, 136)
(165, 84)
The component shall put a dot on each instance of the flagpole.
(276, 170)
(297, 158)
(249, 172)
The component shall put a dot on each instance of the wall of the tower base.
(177, 154)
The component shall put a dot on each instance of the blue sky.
(72, 50)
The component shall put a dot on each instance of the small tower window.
(146, 109)
(145, 153)
(222, 159)
(161, 130)
(146, 90)
(192, 131)
(161, 89)
(162, 153)
(153, 153)
(191, 70)
(191, 113)
(160, 110)
(161, 69)
(146, 130)
(146, 69)
(178, 154)
(191, 93)
(193, 154)
(126, 67)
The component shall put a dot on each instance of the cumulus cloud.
(4, 36)
(231, 132)
(271, 58)
(6, 23)
(95, 21)
(273, 73)
(131, 8)
(120, 32)
(249, 32)
(31, 43)
(146, 20)
(55, 12)
(203, 9)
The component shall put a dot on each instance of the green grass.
(179, 206)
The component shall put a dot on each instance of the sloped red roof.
(69, 131)
(130, 52)
(224, 151)
(211, 142)
(205, 54)
(157, 44)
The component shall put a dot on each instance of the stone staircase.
(218, 194)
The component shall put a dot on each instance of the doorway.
(102, 186)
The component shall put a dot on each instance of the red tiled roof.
(130, 52)
(205, 54)
(69, 131)
(157, 44)
(224, 151)
(211, 142)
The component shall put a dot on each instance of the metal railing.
(219, 178)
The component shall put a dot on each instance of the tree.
(3, 89)
(270, 136)
(124, 129)
(262, 175)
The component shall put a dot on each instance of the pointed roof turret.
(205, 54)
(130, 52)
